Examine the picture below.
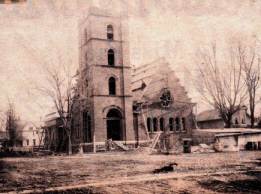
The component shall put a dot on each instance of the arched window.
(111, 57)
(112, 86)
(171, 124)
(162, 124)
(109, 32)
(149, 124)
(184, 127)
(155, 124)
(236, 121)
(177, 124)
(243, 121)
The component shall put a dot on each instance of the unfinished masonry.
(117, 103)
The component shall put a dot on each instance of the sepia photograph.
(130, 96)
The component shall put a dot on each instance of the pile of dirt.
(144, 150)
(202, 148)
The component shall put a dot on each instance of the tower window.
(112, 86)
(111, 57)
(109, 32)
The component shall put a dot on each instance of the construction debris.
(115, 145)
(145, 150)
(155, 141)
(202, 148)
(120, 145)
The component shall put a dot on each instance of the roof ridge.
(160, 59)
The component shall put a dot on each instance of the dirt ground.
(238, 172)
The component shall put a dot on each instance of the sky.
(175, 29)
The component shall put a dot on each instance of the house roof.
(213, 114)
(229, 130)
(208, 115)
(51, 117)
(238, 134)
(219, 133)
(21, 125)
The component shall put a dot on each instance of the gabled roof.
(213, 114)
(208, 115)
(144, 76)
(145, 72)
(21, 125)
(51, 116)
(149, 80)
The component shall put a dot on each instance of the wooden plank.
(120, 145)
(155, 140)
(145, 124)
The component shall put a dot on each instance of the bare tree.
(58, 85)
(251, 67)
(2, 121)
(60, 91)
(220, 81)
(11, 126)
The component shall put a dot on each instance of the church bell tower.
(106, 76)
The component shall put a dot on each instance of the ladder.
(145, 124)
(155, 140)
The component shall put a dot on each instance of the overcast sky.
(173, 29)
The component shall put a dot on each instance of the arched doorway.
(114, 125)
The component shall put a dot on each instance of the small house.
(211, 119)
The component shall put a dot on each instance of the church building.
(116, 102)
